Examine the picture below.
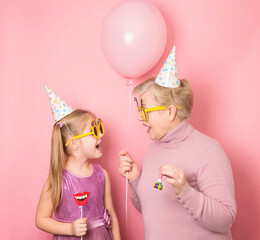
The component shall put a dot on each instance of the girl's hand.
(79, 227)
(174, 176)
(127, 164)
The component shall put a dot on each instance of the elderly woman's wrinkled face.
(158, 121)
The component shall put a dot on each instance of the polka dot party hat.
(60, 109)
(168, 76)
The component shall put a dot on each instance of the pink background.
(57, 43)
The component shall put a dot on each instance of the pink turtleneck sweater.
(206, 208)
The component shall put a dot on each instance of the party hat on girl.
(168, 76)
(60, 109)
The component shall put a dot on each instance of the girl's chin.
(100, 152)
(97, 154)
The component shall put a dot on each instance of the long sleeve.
(133, 193)
(213, 204)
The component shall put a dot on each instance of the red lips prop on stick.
(81, 199)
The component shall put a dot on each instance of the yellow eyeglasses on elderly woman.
(97, 128)
(143, 111)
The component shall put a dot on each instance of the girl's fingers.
(81, 227)
(82, 220)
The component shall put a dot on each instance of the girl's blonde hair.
(181, 97)
(73, 124)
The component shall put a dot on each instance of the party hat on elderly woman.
(168, 76)
(60, 109)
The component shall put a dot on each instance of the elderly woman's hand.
(174, 176)
(127, 164)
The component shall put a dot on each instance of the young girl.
(76, 191)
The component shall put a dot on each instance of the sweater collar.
(181, 132)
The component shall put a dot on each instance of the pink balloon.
(133, 37)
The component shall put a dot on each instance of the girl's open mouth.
(98, 146)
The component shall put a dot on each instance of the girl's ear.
(172, 112)
(73, 144)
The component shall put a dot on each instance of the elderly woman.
(196, 198)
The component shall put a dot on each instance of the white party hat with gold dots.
(168, 76)
(60, 109)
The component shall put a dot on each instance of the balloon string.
(126, 195)
(129, 84)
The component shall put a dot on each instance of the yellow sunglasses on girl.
(97, 128)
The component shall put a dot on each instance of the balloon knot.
(129, 82)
